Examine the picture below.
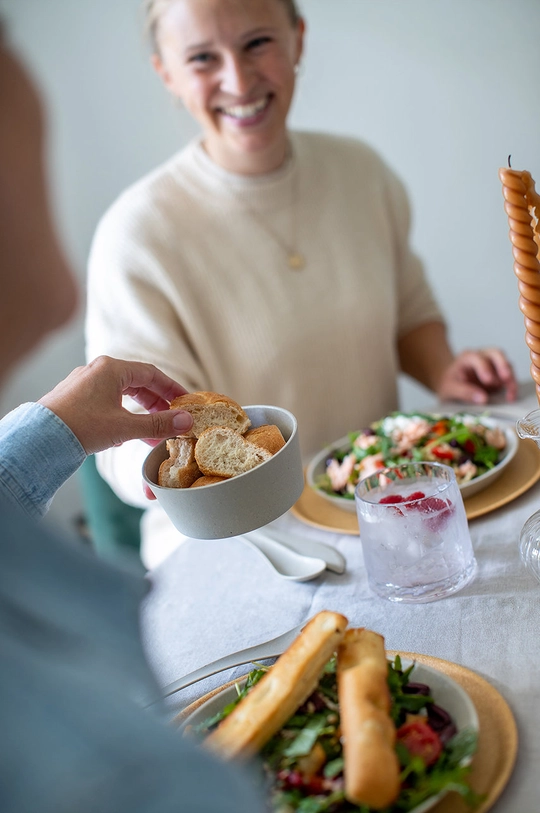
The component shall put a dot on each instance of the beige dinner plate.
(495, 757)
(520, 474)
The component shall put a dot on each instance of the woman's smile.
(248, 113)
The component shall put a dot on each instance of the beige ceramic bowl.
(244, 502)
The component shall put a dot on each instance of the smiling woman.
(272, 265)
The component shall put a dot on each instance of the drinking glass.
(414, 532)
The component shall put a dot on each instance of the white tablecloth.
(210, 598)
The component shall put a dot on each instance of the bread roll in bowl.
(268, 436)
(181, 469)
(222, 452)
(235, 505)
(219, 444)
(211, 409)
(206, 480)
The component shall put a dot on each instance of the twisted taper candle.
(522, 205)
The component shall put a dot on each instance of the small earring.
(297, 69)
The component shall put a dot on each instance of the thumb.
(165, 424)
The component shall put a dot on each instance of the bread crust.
(284, 688)
(207, 480)
(268, 436)
(211, 409)
(368, 733)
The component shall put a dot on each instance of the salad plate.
(522, 472)
(316, 472)
(470, 699)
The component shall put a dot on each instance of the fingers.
(155, 426)
(89, 401)
(493, 370)
(479, 364)
(474, 374)
(491, 366)
(504, 372)
(148, 399)
(146, 382)
(148, 493)
(465, 391)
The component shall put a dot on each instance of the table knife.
(258, 652)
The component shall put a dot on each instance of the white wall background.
(445, 89)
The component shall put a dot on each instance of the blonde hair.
(154, 9)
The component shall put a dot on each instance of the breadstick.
(368, 733)
(281, 691)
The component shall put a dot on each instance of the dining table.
(212, 597)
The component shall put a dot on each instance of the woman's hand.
(474, 375)
(89, 401)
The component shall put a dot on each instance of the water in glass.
(414, 533)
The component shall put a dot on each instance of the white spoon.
(285, 561)
(335, 560)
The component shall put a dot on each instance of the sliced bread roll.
(222, 452)
(181, 469)
(211, 409)
(268, 436)
(207, 481)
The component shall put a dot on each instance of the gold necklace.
(295, 259)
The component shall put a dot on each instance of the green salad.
(303, 763)
(466, 443)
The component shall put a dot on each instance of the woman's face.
(232, 63)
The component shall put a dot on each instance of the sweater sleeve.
(417, 304)
(38, 453)
(130, 316)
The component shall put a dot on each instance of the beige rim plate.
(497, 742)
(520, 474)
(495, 758)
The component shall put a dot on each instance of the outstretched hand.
(474, 375)
(89, 401)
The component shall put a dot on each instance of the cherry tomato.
(442, 454)
(420, 741)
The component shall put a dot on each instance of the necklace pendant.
(296, 261)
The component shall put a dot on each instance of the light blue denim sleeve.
(38, 453)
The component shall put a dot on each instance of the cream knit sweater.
(188, 270)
